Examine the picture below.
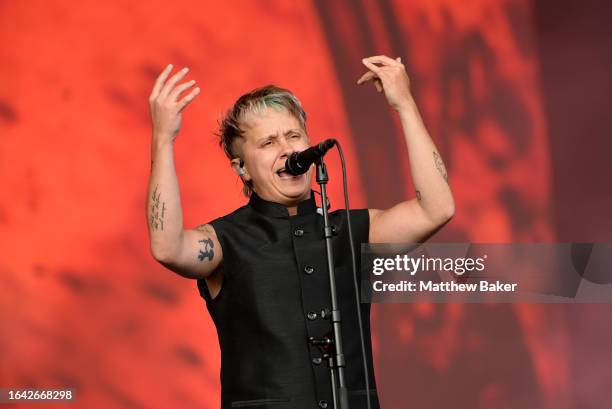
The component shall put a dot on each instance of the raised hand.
(390, 76)
(165, 105)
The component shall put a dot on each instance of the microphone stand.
(336, 360)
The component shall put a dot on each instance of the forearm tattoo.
(440, 166)
(418, 193)
(207, 249)
(158, 211)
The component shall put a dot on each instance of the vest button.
(317, 361)
(299, 232)
(309, 270)
(322, 404)
(312, 315)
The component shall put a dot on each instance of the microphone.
(299, 162)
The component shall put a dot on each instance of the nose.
(286, 148)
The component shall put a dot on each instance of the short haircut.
(256, 101)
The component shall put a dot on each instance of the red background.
(513, 92)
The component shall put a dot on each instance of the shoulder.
(359, 219)
(359, 216)
(353, 213)
(231, 218)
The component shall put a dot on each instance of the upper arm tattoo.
(440, 166)
(157, 213)
(207, 249)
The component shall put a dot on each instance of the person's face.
(269, 138)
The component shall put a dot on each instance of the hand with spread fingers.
(388, 76)
(165, 105)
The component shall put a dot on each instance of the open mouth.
(283, 174)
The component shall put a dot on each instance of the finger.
(188, 98)
(160, 81)
(383, 59)
(378, 85)
(178, 90)
(172, 81)
(399, 59)
(366, 77)
(372, 67)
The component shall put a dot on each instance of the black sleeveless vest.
(275, 284)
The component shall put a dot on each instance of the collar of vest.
(277, 210)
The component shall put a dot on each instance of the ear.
(238, 167)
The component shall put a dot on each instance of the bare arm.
(193, 253)
(417, 219)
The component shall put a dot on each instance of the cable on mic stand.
(331, 344)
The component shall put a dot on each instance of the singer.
(262, 269)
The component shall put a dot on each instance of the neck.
(293, 207)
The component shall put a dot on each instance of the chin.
(296, 193)
(295, 189)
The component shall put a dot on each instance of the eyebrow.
(274, 136)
